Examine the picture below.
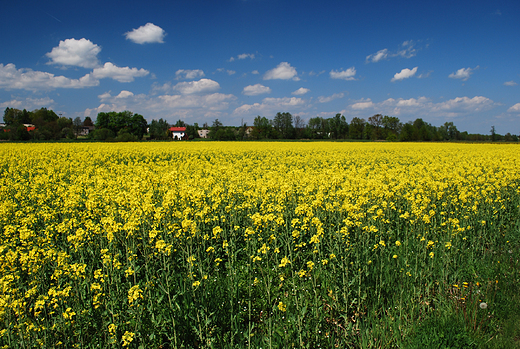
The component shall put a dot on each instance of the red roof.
(31, 128)
(177, 129)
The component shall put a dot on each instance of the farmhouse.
(203, 133)
(178, 132)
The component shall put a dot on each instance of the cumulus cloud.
(510, 83)
(255, 90)
(124, 94)
(363, 104)
(301, 91)
(168, 106)
(28, 79)
(81, 53)
(323, 99)
(201, 86)
(28, 103)
(255, 72)
(283, 71)
(515, 108)
(404, 74)
(121, 74)
(189, 74)
(455, 107)
(343, 74)
(148, 33)
(406, 50)
(270, 105)
(463, 74)
(243, 56)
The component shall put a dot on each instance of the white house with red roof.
(178, 132)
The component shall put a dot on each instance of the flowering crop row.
(244, 244)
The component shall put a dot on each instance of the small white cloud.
(246, 55)
(463, 74)
(230, 72)
(363, 104)
(323, 99)
(81, 53)
(515, 108)
(301, 91)
(124, 94)
(121, 74)
(406, 50)
(378, 56)
(343, 74)
(148, 33)
(255, 90)
(283, 71)
(201, 86)
(255, 72)
(510, 83)
(105, 95)
(404, 74)
(189, 74)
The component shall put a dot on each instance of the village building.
(178, 132)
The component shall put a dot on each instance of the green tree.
(357, 128)
(338, 127)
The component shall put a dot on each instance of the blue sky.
(199, 60)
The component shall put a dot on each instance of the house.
(85, 130)
(203, 133)
(178, 132)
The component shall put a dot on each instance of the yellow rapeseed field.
(186, 244)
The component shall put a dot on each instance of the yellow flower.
(284, 262)
(196, 284)
(127, 338)
(398, 243)
(282, 307)
(310, 265)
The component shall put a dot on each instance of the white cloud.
(406, 50)
(459, 106)
(363, 104)
(148, 33)
(323, 99)
(28, 79)
(344, 74)
(510, 83)
(270, 105)
(378, 56)
(255, 90)
(301, 91)
(230, 72)
(246, 55)
(167, 106)
(255, 72)
(121, 74)
(404, 74)
(462, 73)
(515, 108)
(28, 103)
(189, 74)
(201, 86)
(124, 94)
(283, 71)
(81, 53)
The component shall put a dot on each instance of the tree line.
(127, 126)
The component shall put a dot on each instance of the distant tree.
(262, 128)
(88, 121)
(159, 129)
(376, 121)
(357, 128)
(338, 127)
(282, 123)
(180, 123)
(493, 134)
(77, 126)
